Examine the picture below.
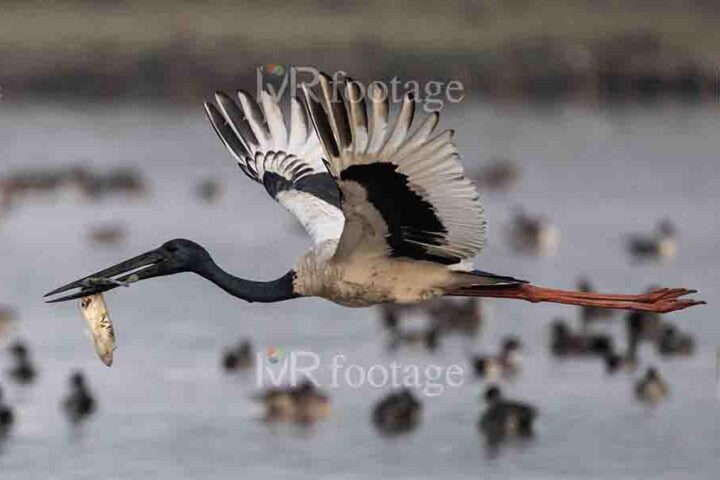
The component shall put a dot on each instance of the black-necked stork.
(391, 213)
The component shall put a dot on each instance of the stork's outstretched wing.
(404, 193)
(288, 164)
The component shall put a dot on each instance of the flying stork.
(392, 216)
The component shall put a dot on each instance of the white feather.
(292, 155)
(321, 220)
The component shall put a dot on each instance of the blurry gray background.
(514, 48)
(608, 108)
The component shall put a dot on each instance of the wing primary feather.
(402, 126)
(236, 118)
(255, 118)
(285, 158)
(298, 125)
(419, 136)
(228, 137)
(337, 113)
(379, 118)
(275, 122)
(322, 127)
(358, 116)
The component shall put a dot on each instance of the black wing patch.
(320, 185)
(410, 219)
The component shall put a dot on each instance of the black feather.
(322, 126)
(236, 116)
(226, 134)
(254, 113)
(358, 113)
(322, 186)
(495, 276)
(275, 183)
(411, 220)
(334, 98)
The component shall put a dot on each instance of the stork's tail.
(479, 277)
(660, 301)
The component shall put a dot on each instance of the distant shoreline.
(596, 51)
(159, 84)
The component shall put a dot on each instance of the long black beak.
(150, 264)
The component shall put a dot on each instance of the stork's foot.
(662, 300)
(665, 306)
(650, 297)
(668, 294)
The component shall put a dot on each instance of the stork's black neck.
(248, 290)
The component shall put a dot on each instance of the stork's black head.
(172, 257)
(186, 254)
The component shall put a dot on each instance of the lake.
(168, 412)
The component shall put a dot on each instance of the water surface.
(166, 410)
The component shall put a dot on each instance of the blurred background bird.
(79, 404)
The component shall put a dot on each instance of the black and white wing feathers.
(404, 193)
(287, 162)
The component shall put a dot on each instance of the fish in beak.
(96, 314)
(151, 264)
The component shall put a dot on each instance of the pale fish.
(97, 317)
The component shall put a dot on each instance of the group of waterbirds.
(400, 411)
(91, 182)
(94, 185)
(537, 235)
(443, 316)
(505, 419)
(303, 403)
(393, 220)
(78, 404)
(586, 341)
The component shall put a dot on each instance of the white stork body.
(361, 281)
